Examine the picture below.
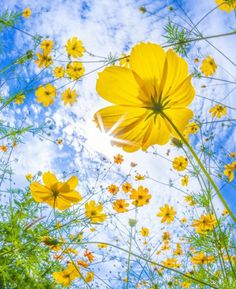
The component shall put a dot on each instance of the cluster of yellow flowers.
(229, 170)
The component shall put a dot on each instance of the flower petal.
(39, 192)
(72, 182)
(49, 179)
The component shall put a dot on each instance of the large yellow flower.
(226, 5)
(60, 195)
(155, 88)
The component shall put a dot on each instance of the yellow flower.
(95, 212)
(27, 12)
(142, 9)
(125, 60)
(45, 94)
(184, 181)
(59, 71)
(225, 212)
(183, 220)
(232, 155)
(208, 66)
(29, 177)
(53, 243)
(66, 276)
(178, 251)
(102, 246)
(229, 172)
(154, 88)
(126, 187)
(226, 5)
(189, 200)
(191, 128)
(139, 177)
(167, 213)
(82, 263)
(3, 148)
(218, 111)
(43, 59)
(118, 159)
(166, 236)
(74, 47)
(171, 263)
(69, 96)
(20, 99)
(201, 259)
(204, 224)
(60, 195)
(180, 163)
(140, 196)
(144, 232)
(59, 141)
(185, 284)
(46, 45)
(89, 277)
(113, 189)
(75, 70)
(120, 206)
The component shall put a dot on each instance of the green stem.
(129, 255)
(201, 166)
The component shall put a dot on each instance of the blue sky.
(112, 27)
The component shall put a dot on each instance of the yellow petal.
(39, 192)
(118, 85)
(157, 133)
(126, 124)
(72, 182)
(147, 60)
(73, 197)
(49, 179)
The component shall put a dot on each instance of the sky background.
(110, 28)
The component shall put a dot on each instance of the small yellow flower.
(102, 246)
(218, 111)
(166, 236)
(89, 277)
(208, 66)
(69, 96)
(120, 206)
(125, 60)
(183, 220)
(66, 276)
(140, 196)
(167, 213)
(184, 181)
(126, 187)
(139, 177)
(229, 172)
(27, 12)
(142, 9)
(232, 155)
(59, 141)
(43, 59)
(60, 195)
(74, 47)
(118, 159)
(202, 259)
(189, 200)
(94, 212)
(59, 71)
(75, 70)
(178, 251)
(204, 224)
(226, 5)
(20, 99)
(191, 128)
(29, 177)
(46, 45)
(46, 94)
(113, 189)
(3, 148)
(144, 232)
(180, 163)
(171, 263)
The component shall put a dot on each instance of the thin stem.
(202, 167)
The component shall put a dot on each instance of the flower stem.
(201, 166)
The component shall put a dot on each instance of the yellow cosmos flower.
(59, 71)
(27, 12)
(3, 148)
(167, 213)
(204, 224)
(165, 236)
(74, 47)
(226, 5)
(43, 59)
(191, 128)
(75, 70)
(180, 163)
(232, 155)
(144, 232)
(125, 60)
(229, 172)
(155, 89)
(102, 246)
(89, 277)
(184, 181)
(139, 177)
(46, 94)
(208, 66)
(51, 242)
(126, 187)
(94, 212)
(66, 276)
(201, 259)
(113, 189)
(118, 159)
(171, 263)
(29, 177)
(61, 195)
(20, 99)
(120, 206)
(189, 200)
(140, 196)
(69, 96)
(178, 251)
(46, 45)
(218, 111)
